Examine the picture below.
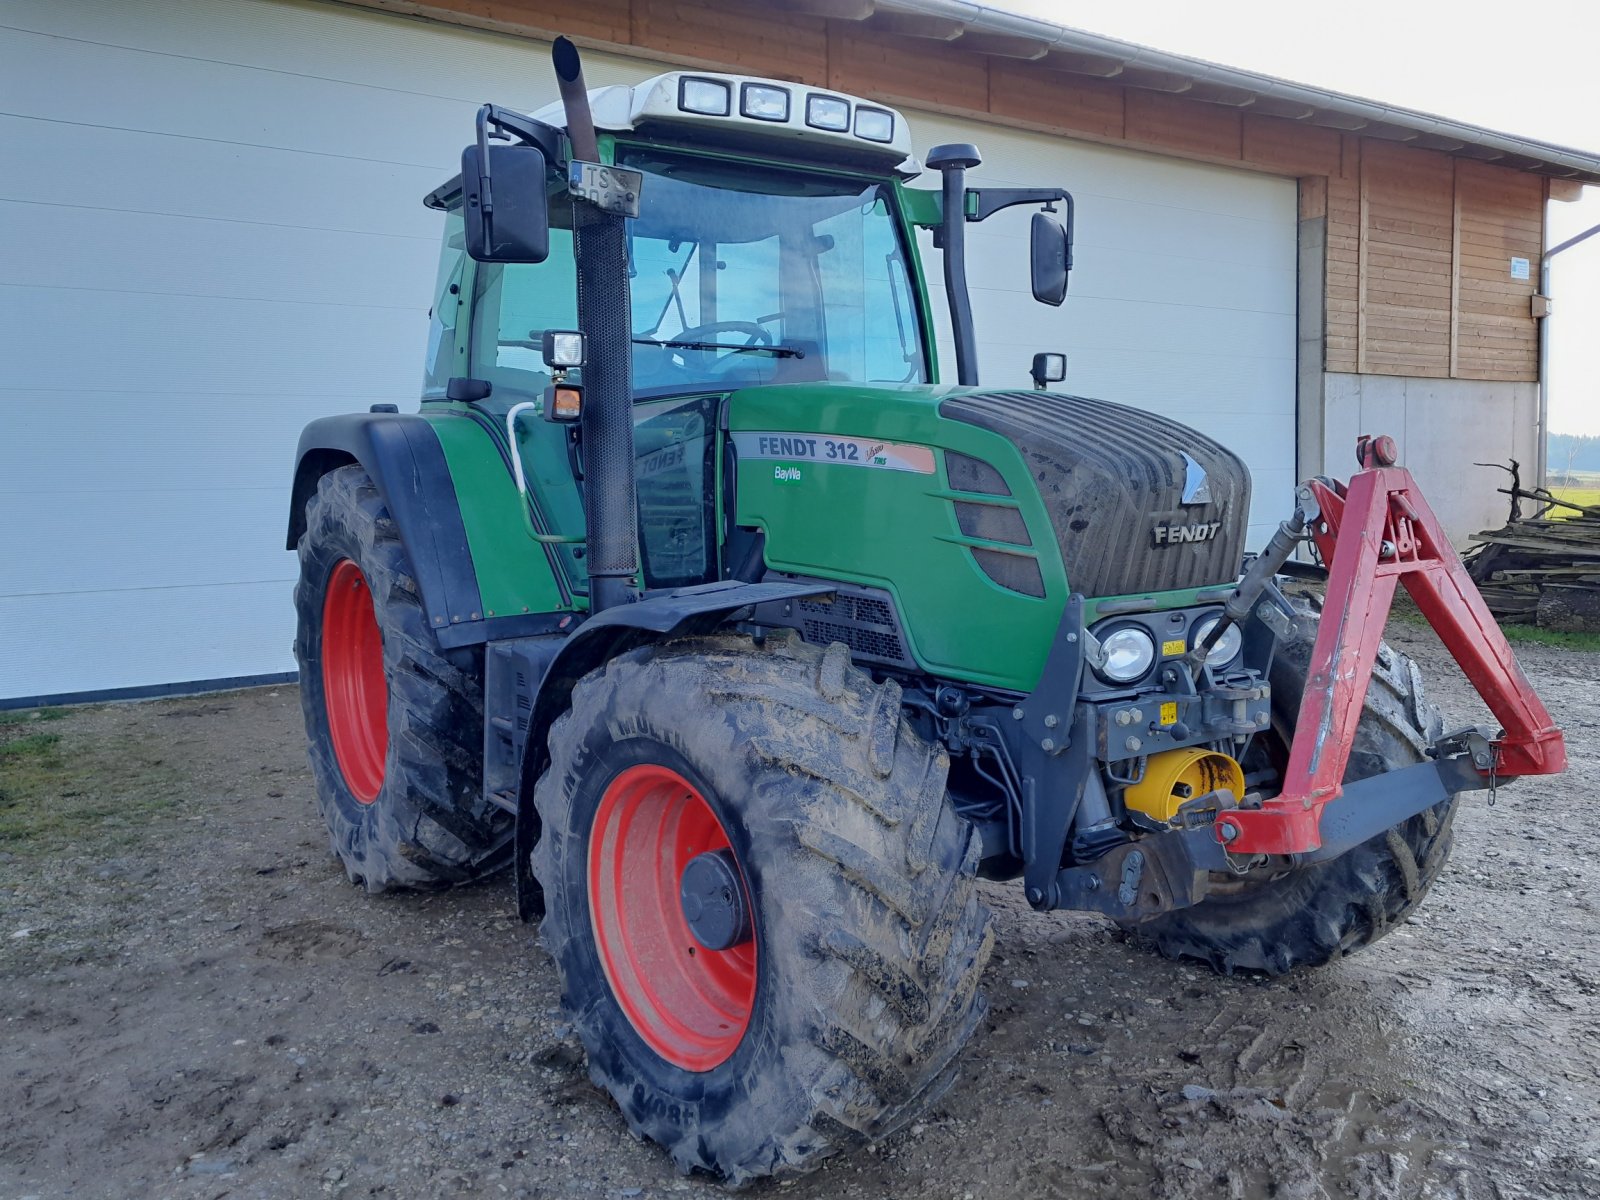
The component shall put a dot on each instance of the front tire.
(840, 1019)
(394, 726)
(1314, 915)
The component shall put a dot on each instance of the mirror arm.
(509, 124)
(991, 200)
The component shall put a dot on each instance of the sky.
(1464, 59)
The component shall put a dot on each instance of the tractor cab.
(772, 241)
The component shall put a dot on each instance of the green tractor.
(695, 597)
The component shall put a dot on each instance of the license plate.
(612, 189)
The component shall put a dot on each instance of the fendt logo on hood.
(1173, 535)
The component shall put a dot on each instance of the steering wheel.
(756, 333)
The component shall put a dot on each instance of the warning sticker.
(835, 451)
(1171, 648)
(1169, 713)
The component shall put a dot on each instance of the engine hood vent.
(1138, 502)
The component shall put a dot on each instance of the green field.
(1585, 494)
(1579, 495)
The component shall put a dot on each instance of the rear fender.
(684, 612)
(402, 456)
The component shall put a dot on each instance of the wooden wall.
(1405, 255)
(1419, 242)
(1499, 214)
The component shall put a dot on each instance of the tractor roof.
(747, 111)
(742, 112)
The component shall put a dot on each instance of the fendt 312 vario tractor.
(694, 596)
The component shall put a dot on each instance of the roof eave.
(990, 27)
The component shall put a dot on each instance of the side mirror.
(504, 204)
(1050, 249)
(1048, 368)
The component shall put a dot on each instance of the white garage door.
(211, 233)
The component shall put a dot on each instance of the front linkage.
(1372, 534)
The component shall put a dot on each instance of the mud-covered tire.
(428, 824)
(869, 935)
(1312, 916)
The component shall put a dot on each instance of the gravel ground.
(196, 1004)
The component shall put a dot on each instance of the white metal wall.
(211, 233)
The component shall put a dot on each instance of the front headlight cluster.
(1129, 651)
(708, 96)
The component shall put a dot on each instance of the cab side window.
(513, 306)
(447, 354)
(860, 265)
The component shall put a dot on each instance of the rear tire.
(861, 983)
(395, 727)
(1317, 914)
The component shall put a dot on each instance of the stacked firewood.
(1542, 568)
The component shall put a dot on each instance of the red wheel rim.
(354, 689)
(691, 1005)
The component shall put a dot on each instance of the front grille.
(864, 623)
(864, 619)
(863, 608)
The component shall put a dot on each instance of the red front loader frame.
(1372, 534)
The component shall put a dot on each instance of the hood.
(1139, 503)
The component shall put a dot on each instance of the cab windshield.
(739, 274)
(745, 274)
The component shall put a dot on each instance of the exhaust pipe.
(575, 100)
(599, 240)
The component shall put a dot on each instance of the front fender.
(402, 456)
(683, 612)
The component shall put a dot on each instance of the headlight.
(764, 103)
(709, 96)
(828, 112)
(874, 124)
(1126, 655)
(563, 348)
(1227, 647)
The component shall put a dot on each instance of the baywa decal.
(790, 448)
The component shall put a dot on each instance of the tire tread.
(899, 947)
(430, 825)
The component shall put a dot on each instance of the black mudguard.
(684, 612)
(402, 456)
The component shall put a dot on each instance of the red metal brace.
(1375, 533)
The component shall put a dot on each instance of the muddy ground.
(194, 1003)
